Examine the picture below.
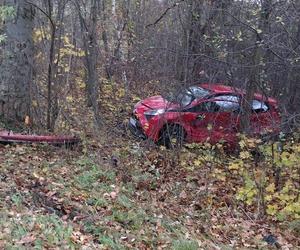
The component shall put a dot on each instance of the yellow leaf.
(233, 166)
(120, 92)
(69, 98)
(27, 120)
(82, 85)
(67, 69)
(242, 144)
(197, 163)
(136, 98)
(34, 103)
(209, 126)
(272, 209)
(269, 197)
(146, 126)
(245, 155)
(271, 188)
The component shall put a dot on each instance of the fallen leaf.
(113, 195)
(27, 239)
(183, 195)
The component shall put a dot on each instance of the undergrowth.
(113, 192)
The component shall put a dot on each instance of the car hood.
(155, 102)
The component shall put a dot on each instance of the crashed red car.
(204, 113)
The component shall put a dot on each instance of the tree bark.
(16, 63)
(50, 67)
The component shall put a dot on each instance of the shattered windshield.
(185, 97)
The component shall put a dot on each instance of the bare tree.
(88, 24)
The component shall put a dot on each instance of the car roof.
(223, 89)
(220, 88)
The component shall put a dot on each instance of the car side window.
(228, 103)
(225, 103)
(232, 98)
(228, 106)
(259, 106)
(210, 106)
(202, 107)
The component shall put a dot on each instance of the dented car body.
(204, 113)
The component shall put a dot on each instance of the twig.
(44, 12)
(164, 13)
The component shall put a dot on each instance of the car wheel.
(172, 136)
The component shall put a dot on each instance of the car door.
(261, 119)
(216, 119)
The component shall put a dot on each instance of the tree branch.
(44, 12)
(164, 13)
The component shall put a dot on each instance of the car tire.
(172, 136)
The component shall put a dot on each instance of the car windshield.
(185, 97)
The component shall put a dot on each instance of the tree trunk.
(258, 58)
(16, 63)
(50, 68)
(90, 47)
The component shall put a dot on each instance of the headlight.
(149, 114)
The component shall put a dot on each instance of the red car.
(204, 113)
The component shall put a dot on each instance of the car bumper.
(136, 128)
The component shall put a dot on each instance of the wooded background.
(49, 46)
(79, 67)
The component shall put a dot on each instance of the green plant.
(185, 245)
(295, 226)
(7, 12)
(17, 199)
(110, 242)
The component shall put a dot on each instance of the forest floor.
(114, 192)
